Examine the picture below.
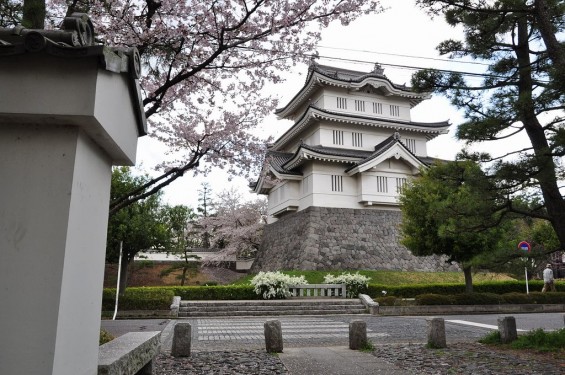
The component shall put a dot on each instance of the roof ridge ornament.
(82, 25)
(378, 69)
(75, 31)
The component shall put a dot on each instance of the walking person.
(548, 283)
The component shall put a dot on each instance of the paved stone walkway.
(317, 345)
(294, 329)
(304, 331)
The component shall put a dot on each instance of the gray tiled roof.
(430, 125)
(278, 159)
(386, 145)
(334, 151)
(351, 75)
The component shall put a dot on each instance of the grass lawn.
(394, 277)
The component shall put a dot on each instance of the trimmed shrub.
(496, 287)
(434, 299)
(516, 298)
(143, 298)
(548, 297)
(476, 299)
(219, 292)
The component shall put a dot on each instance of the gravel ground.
(416, 359)
(470, 358)
(225, 362)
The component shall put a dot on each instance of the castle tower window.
(360, 105)
(337, 183)
(400, 183)
(338, 137)
(382, 184)
(410, 144)
(341, 103)
(378, 108)
(394, 110)
(357, 139)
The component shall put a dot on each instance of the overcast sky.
(402, 35)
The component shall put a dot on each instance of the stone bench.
(318, 290)
(130, 354)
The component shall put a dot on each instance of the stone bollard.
(357, 334)
(507, 329)
(436, 333)
(273, 336)
(182, 339)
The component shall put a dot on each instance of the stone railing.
(129, 354)
(369, 304)
(175, 307)
(318, 290)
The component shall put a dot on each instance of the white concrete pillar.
(54, 199)
(63, 123)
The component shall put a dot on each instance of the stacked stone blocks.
(321, 238)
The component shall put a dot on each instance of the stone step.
(272, 307)
(270, 313)
(293, 302)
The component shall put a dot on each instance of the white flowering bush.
(355, 283)
(274, 285)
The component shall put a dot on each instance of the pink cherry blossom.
(206, 65)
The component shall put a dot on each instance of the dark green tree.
(522, 92)
(206, 208)
(448, 210)
(34, 14)
(139, 226)
(177, 219)
(509, 259)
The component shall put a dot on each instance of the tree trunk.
(34, 14)
(468, 279)
(544, 162)
(124, 274)
(547, 30)
(183, 277)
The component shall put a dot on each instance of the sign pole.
(118, 286)
(525, 246)
(527, 287)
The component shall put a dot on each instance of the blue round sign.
(524, 246)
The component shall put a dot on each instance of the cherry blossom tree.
(206, 65)
(237, 226)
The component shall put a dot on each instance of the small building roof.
(313, 113)
(381, 152)
(322, 75)
(76, 40)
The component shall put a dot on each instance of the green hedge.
(496, 287)
(486, 299)
(160, 298)
(220, 292)
(143, 298)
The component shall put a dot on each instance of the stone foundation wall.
(320, 238)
